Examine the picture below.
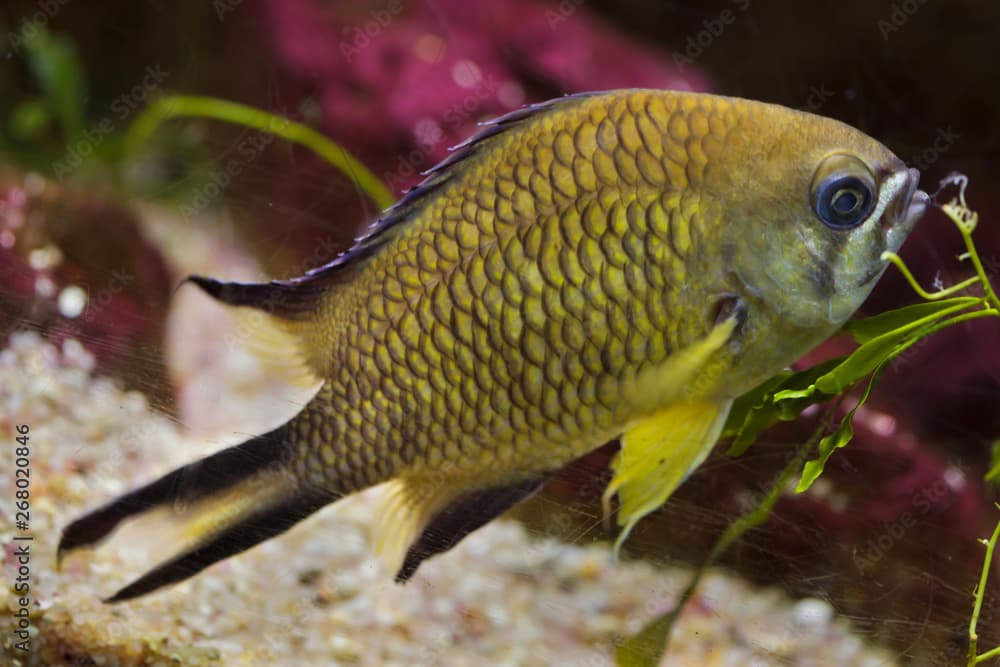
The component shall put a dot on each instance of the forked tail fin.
(213, 508)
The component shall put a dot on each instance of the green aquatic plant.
(880, 339)
(977, 605)
(54, 63)
(40, 124)
(993, 476)
(191, 106)
(50, 132)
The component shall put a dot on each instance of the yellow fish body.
(611, 264)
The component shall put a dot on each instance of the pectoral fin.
(661, 449)
(657, 454)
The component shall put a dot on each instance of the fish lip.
(911, 203)
(899, 219)
(916, 209)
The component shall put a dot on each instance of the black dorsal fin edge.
(292, 297)
(379, 231)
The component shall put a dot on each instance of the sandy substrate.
(316, 595)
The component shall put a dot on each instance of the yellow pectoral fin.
(691, 372)
(657, 454)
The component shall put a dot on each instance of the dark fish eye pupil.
(846, 201)
(843, 202)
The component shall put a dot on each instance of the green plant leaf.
(746, 407)
(882, 348)
(839, 438)
(53, 61)
(869, 328)
(645, 648)
(29, 119)
(860, 363)
(771, 402)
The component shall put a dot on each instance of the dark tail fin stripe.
(231, 540)
(187, 484)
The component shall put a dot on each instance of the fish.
(609, 265)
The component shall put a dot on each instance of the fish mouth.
(899, 218)
(910, 205)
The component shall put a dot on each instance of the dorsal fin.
(380, 230)
(281, 298)
(292, 302)
(289, 299)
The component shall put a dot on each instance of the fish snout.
(910, 203)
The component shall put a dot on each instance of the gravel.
(316, 595)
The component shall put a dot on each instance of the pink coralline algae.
(400, 83)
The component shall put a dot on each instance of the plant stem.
(992, 653)
(958, 319)
(977, 263)
(897, 261)
(646, 648)
(977, 606)
(174, 106)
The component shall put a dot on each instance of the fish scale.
(621, 264)
(486, 226)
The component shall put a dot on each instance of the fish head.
(819, 207)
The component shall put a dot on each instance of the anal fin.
(464, 515)
(419, 519)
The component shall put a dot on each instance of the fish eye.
(843, 192)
